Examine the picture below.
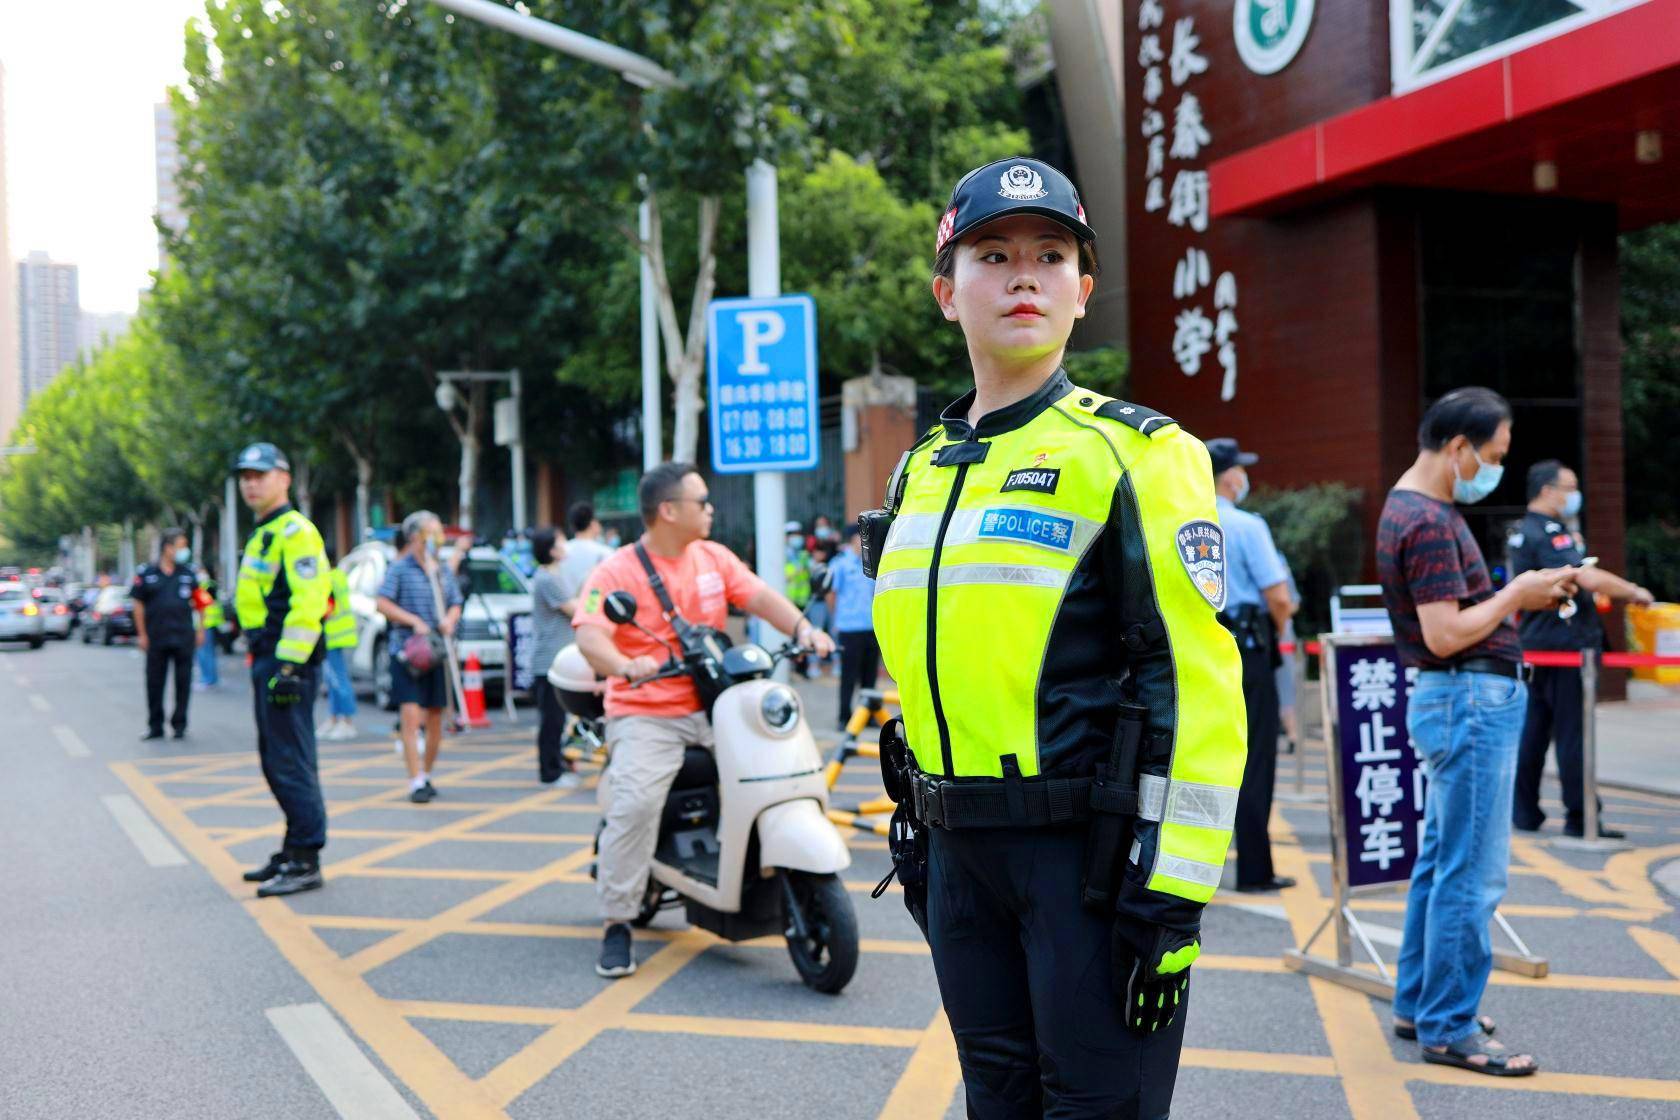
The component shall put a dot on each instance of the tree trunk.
(684, 356)
(466, 430)
(364, 486)
(305, 496)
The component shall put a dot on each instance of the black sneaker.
(150, 735)
(180, 733)
(294, 878)
(267, 871)
(422, 795)
(431, 790)
(616, 959)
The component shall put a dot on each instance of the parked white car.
(493, 589)
(56, 617)
(20, 616)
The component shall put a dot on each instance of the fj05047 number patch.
(1040, 479)
(1201, 549)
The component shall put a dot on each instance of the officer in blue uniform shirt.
(1257, 607)
(1542, 539)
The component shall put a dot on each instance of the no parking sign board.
(762, 384)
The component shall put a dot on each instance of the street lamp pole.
(763, 253)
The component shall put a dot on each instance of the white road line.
(70, 741)
(354, 1086)
(145, 833)
(39, 702)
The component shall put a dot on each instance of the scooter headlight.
(779, 709)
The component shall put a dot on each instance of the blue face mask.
(182, 555)
(1572, 504)
(1486, 481)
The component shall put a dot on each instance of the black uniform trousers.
(286, 747)
(1254, 800)
(159, 659)
(1025, 974)
(860, 665)
(551, 731)
(1554, 710)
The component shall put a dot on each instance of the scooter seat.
(699, 770)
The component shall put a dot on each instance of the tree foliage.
(1650, 262)
(381, 191)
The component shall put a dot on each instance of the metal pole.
(653, 440)
(636, 69)
(1589, 741)
(764, 279)
(517, 450)
(230, 511)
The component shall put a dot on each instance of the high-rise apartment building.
(11, 388)
(168, 161)
(49, 320)
(99, 329)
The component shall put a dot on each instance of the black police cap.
(1226, 454)
(262, 457)
(1012, 186)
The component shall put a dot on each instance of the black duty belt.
(1496, 665)
(992, 803)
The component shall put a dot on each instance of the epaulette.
(1145, 420)
(1134, 416)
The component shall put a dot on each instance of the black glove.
(285, 687)
(1151, 972)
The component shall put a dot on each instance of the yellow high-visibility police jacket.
(1059, 557)
(284, 581)
(339, 627)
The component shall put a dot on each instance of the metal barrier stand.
(1590, 840)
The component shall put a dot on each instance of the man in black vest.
(165, 625)
(1542, 539)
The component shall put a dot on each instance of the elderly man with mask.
(419, 596)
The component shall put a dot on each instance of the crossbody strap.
(655, 582)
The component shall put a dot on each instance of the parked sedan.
(56, 616)
(111, 616)
(20, 616)
(493, 589)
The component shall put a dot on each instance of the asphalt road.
(445, 971)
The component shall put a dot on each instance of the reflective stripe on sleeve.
(1008, 575)
(1189, 803)
(1189, 870)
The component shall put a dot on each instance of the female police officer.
(1046, 599)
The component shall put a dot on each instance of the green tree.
(1650, 261)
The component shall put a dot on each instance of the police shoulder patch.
(292, 529)
(1201, 549)
(306, 566)
(1145, 420)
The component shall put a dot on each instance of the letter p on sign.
(759, 329)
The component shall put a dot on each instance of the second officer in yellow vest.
(1049, 568)
(281, 598)
(339, 631)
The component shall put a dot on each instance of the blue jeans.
(1467, 725)
(206, 655)
(341, 695)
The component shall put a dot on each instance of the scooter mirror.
(620, 608)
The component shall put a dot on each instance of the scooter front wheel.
(821, 929)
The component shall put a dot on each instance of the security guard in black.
(163, 597)
(1543, 539)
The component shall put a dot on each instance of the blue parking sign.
(762, 384)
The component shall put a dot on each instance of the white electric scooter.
(745, 843)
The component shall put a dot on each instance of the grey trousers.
(647, 752)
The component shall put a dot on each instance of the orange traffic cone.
(472, 691)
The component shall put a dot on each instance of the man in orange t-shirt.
(650, 727)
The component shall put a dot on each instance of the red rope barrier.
(1551, 659)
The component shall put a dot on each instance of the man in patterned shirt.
(1464, 716)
